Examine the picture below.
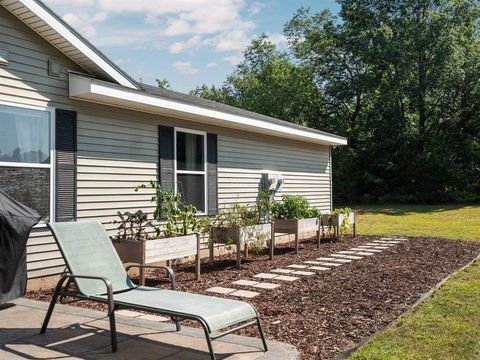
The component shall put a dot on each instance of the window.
(190, 167)
(26, 156)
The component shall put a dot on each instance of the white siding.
(118, 149)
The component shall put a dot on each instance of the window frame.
(192, 172)
(51, 111)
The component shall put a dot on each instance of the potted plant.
(175, 231)
(294, 215)
(243, 225)
(340, 220)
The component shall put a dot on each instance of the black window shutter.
(66, 165)
(166, 156)
(212, 174)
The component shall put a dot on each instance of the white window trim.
(52, 164)
(192, 172)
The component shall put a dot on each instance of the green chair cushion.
(217, 313)
(88, 250)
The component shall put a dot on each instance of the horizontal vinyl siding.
(25, 80)
(114, 156)
(242, 161)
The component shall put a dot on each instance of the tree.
(399, 78)
(269, 83)
(163, 83)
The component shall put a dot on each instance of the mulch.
(330, 312)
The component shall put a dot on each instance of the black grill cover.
(16, 221)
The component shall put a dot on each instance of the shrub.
(294, 207)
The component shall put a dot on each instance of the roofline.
(89, 89)
(83, 45)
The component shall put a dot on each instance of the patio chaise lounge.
(99, 275)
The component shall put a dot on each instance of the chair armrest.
(168, 270)
(106, 281)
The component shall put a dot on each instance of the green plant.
(294, 207)
(265, 203)
(132, 226)
(237, 215)
(174, 216)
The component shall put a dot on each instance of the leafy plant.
(294, 207)
(132, 226)
(173, 215)
(265, 203)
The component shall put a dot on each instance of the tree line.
(399, 78)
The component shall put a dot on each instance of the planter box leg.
(239, 255)
(354, 230)
(210, 248)
(142, 276)
(319, 233)
(197, 259)
(272, 241)
(296, 237)
(245, 249)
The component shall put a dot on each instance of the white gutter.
(73, 39)
(84, 88)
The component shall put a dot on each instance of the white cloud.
(277, 39)
(185, 67)
(233, 59)
(84, 21)
(181, 46)
(123, 61)
(211, 65)
(255, 8)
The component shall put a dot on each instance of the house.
(77, 134)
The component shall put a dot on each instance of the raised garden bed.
(239, 236)
(298, 227)
(336, 221)
(156, 250)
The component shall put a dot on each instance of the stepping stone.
(401, 239)
(282, 271)
(350, 257)
(365, 253)
(153, 317)
(312, 262)
(220, 290)
(347, 252)
(378, 247)
(245, 282)
(386, 238)
(266, 276)
(128, 313)
(319, 268)
(245, 294)
(304, 273)
(295, 266)
(343, 261)
(267, 286)
(328, 264)
(367, 248)
(286, 278)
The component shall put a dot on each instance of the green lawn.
(450, 221)
(447, 326)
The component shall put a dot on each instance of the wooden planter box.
(241, 236)
(297, 227)
(155, 250)
(336, 221)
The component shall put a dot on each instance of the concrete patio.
(77, 333)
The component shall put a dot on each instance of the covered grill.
(16, 221)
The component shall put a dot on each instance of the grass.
(450, 221)
(447, 326)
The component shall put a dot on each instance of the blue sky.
(188, 42)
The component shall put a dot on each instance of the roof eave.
(88, 89)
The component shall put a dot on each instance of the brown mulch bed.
(330, 312)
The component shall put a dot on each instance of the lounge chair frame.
(63, 291)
